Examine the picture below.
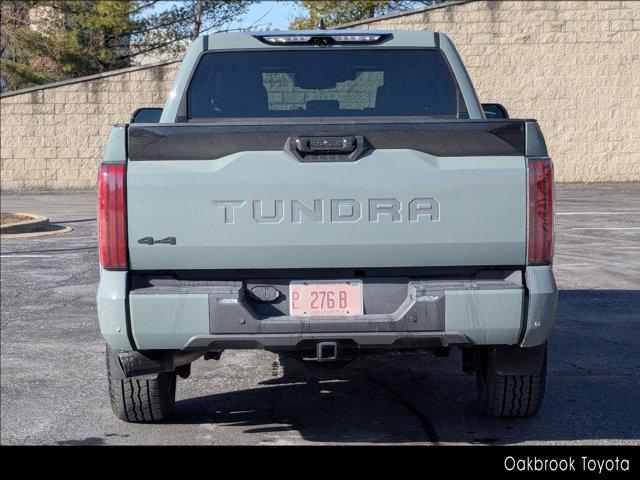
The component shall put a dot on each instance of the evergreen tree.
(44, 40)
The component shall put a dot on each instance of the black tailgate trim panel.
(439, 138)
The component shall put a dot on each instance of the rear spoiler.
(446, 138)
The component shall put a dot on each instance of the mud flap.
(515, 360)
(132, 364)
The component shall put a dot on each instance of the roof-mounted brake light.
(288, 39)
(323, 39)
(356, 38)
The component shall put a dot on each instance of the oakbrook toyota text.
(568, 464)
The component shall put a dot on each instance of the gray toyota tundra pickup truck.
(325, 195)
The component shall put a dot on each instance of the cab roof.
(324, 38)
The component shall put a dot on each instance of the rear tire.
(509, 396)
(141, 399)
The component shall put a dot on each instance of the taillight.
(540, 238)
(112, 219)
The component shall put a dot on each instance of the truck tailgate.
(440, 194)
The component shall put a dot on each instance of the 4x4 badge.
(151, 241)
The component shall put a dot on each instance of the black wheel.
(510, 396)
(141, 399)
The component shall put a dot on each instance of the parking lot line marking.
(76, 249)
(588, 265)
(597, 213)
(605, 228)
(9, 255)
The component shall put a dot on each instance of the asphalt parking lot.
(53, 382)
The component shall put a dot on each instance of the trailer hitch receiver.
(325, 352)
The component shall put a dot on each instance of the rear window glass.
(324, 83)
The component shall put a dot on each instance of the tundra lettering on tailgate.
(335, 210)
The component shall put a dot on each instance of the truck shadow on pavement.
(592, 391)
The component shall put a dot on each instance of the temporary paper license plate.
(325, 298)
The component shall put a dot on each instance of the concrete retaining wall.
(573, 65)
(54, 137)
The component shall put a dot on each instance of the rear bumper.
(218, 316)
(304, 341)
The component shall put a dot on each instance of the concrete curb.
(34, 224)
(58, 230)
